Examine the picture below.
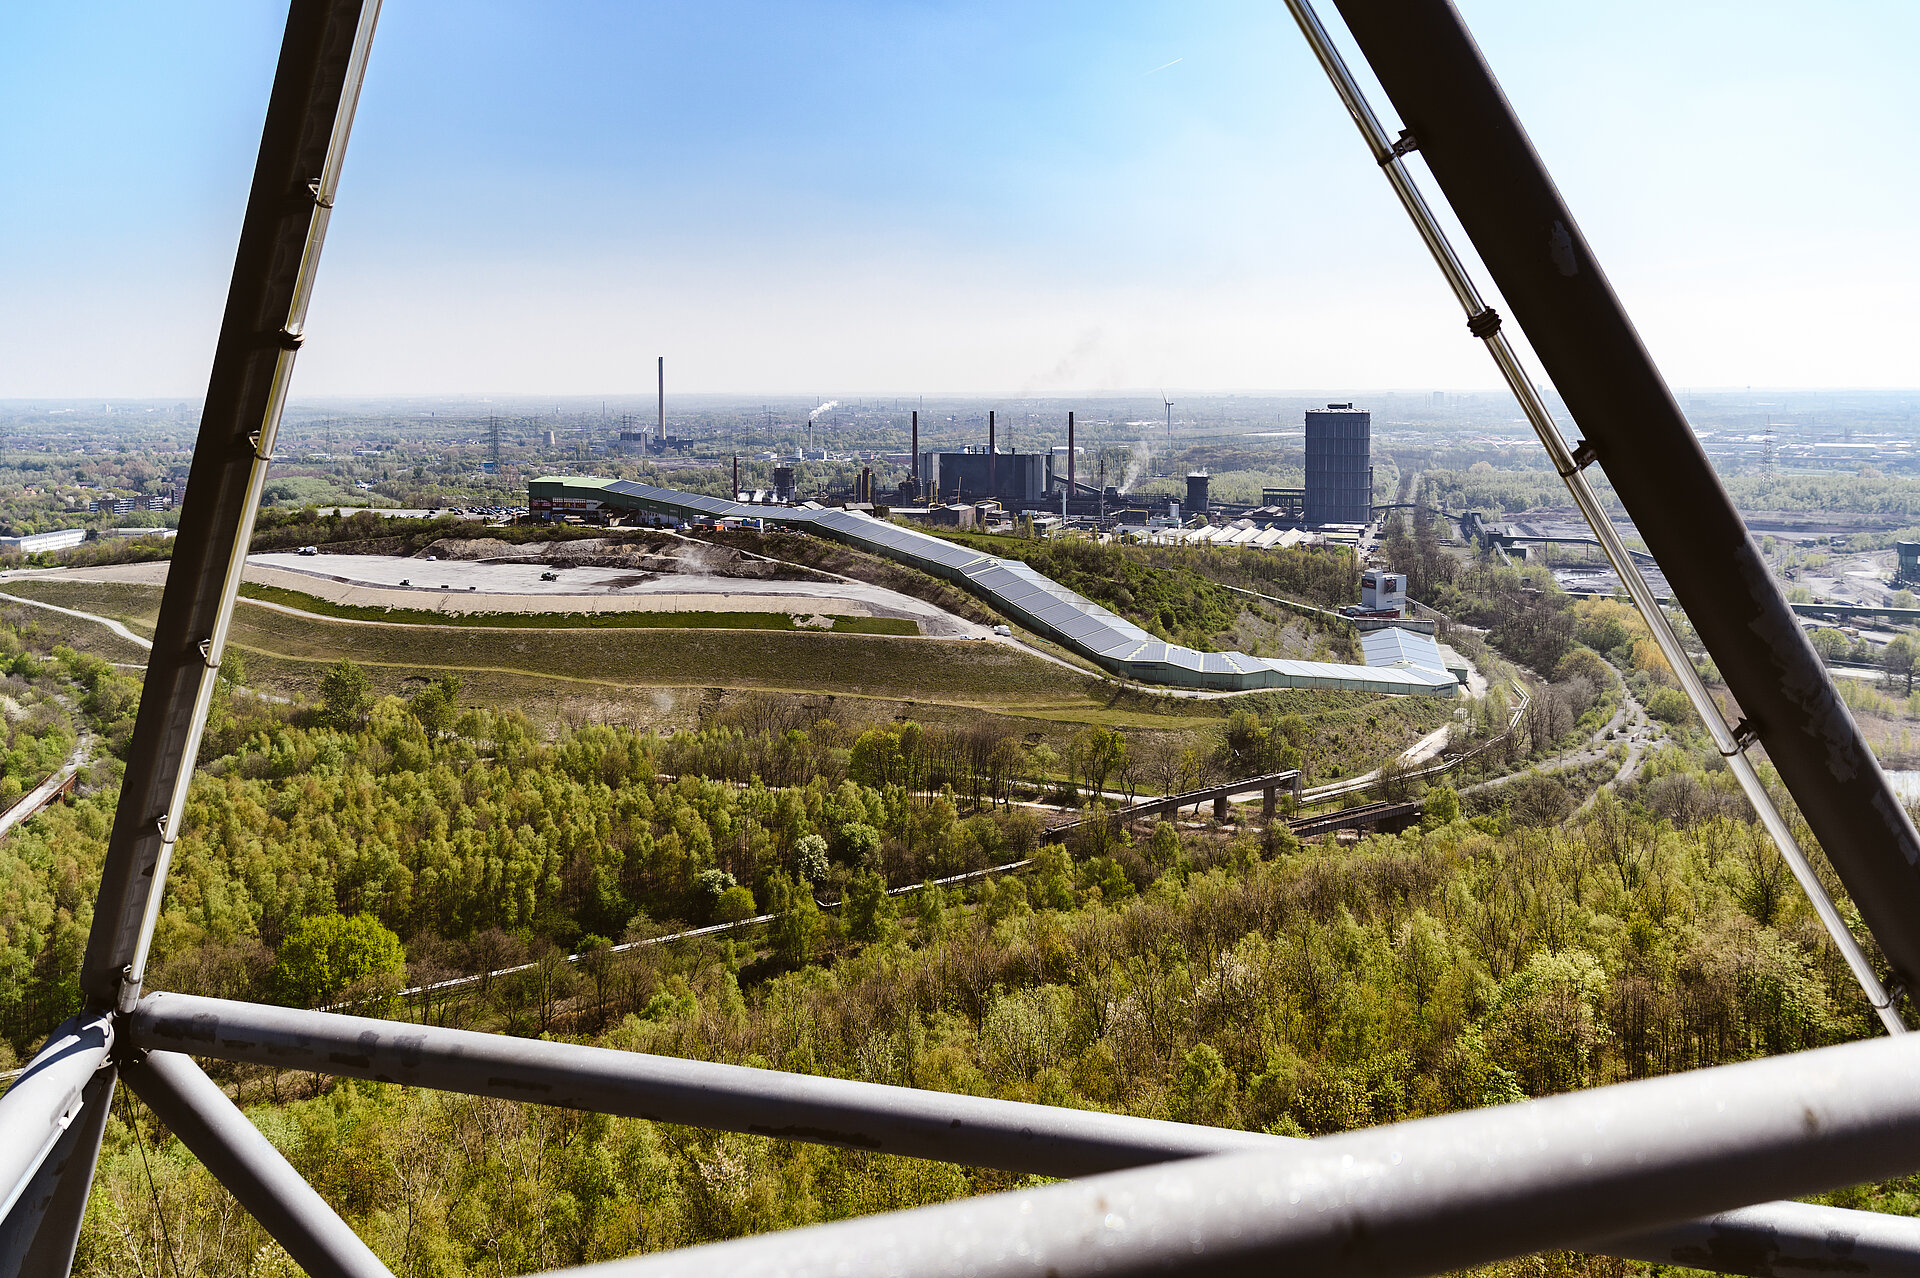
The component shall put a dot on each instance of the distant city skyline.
(987, 199)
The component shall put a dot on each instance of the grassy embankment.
(1180, 594)
(675, 678)
(300, 601)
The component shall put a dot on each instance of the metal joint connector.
(1405, 144)
(1583, 455)
(1745, 735)
(290, 339)
(206, 654)
(313, 189)
(129, 991)
(1484, 323)
(253, 442)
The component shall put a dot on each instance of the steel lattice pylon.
(1634, 1170)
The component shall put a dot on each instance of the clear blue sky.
(1002, 198)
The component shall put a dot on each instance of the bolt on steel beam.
(1423, 1197)
(254, 1172)
(1458, 119)
(978, 1131)
(316, 86)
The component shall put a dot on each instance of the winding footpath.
(108, 622)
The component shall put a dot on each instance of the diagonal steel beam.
(977, 1131)
(973, 1130)
(253, 1171)
(1782, 1238)
(1484, 323)
(322, 59)
(38, 1237)
(51, 1120)
(1423, 1197)
(1474, 144)
(47, 1099)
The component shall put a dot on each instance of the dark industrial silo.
(1197, 493)
(1339, 465)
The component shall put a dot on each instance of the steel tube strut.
(1424, 1197)
(47, 1099)
(315, 88)
(254, 1172)
(973, 1130)
(898, 1120)
(1782, 1238)
(39, 1235)
(1484, 323)
(1487, 168)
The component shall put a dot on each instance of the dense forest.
(1574, 924)
(469, 834)
(1240, 981)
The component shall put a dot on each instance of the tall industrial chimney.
(993, 459)
(1072, 492)
(915, 446)
(736, 476)
(663, 401)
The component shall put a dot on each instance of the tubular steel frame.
(1484, 322)
(1635, 1170)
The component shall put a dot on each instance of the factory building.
(35, 543)
(1339, 466)
(975, 474)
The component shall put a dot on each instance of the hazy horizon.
(1155, 395)
(993, 197)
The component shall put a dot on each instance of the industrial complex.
(1337, 498)
(1037, 602)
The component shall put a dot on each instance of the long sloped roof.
(1042, 604)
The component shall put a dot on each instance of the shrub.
(1669, 705)
(324, 954)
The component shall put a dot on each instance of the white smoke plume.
(1136, 465)
(832, 403)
